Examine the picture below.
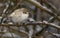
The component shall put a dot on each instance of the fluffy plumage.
(19, 15)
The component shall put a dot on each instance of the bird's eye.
(24, 12)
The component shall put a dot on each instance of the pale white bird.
(19, 15)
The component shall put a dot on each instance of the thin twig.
(49, 4)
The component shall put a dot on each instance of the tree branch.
(43, 8)
(34, 23)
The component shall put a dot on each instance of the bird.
(19, 15)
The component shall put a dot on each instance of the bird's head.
(24, 11)
(20, 11)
